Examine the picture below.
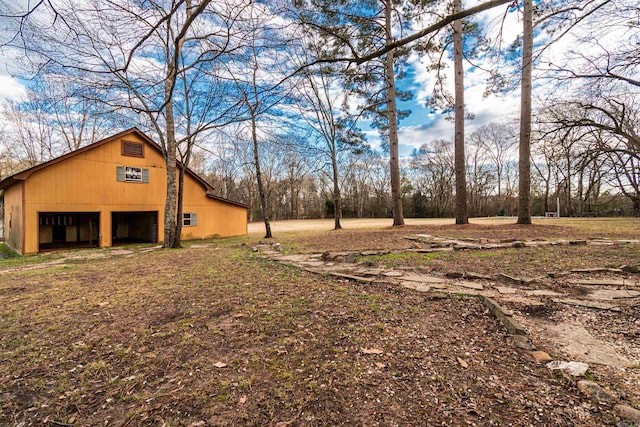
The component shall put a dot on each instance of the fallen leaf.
(463, 363)
(220, 365)
(243, 399)
(380, 365)
(371, 351)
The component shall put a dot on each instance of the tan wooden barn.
(109, 192)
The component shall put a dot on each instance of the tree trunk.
(337, 201)
(171, 239)
(177, 240)
(524, 166)
(462, 216)
(261, 192)
(394, 162)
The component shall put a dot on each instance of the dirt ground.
(215, 334)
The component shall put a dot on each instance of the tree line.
(267, 100)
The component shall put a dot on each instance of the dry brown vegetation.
(220, 336)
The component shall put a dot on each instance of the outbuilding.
(112, 191)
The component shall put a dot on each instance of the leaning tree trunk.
(461, 176)
(392, 117)
(263, 195)
(524, 166)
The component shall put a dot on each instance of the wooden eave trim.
(231, 202)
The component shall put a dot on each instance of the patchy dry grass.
(218, 336)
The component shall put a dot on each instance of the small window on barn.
(132, 149)
(189, 219)
(132, 174)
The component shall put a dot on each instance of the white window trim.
(191, 218)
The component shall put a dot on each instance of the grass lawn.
(217, 335)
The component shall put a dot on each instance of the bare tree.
(137, 65)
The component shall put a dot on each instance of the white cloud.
(11, 88)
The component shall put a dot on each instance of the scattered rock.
(518, 244)
(220, 365)
(462, 363)
(575, 369)
(521, 342)
(628, 414)
(277, 247)
(465, 246)
(630, 268)
(352, 258)
(595, 393)
(254, 249)
(326, 256)
(541, 356)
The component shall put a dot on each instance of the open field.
(216, 334)
(626, 226)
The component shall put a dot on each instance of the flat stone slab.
(613, 294)
(293, 258)
(505, 278)
(352, 277)
(506, 290)
(505, 317)
(469, 285)
(596, 270)
(580, 345)
(421, 278)
(599, 282)
(368, 271)
(476, 276)
(416, 286)
(542, 293)
(588, 304)
(311, 263)
(393, 273)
